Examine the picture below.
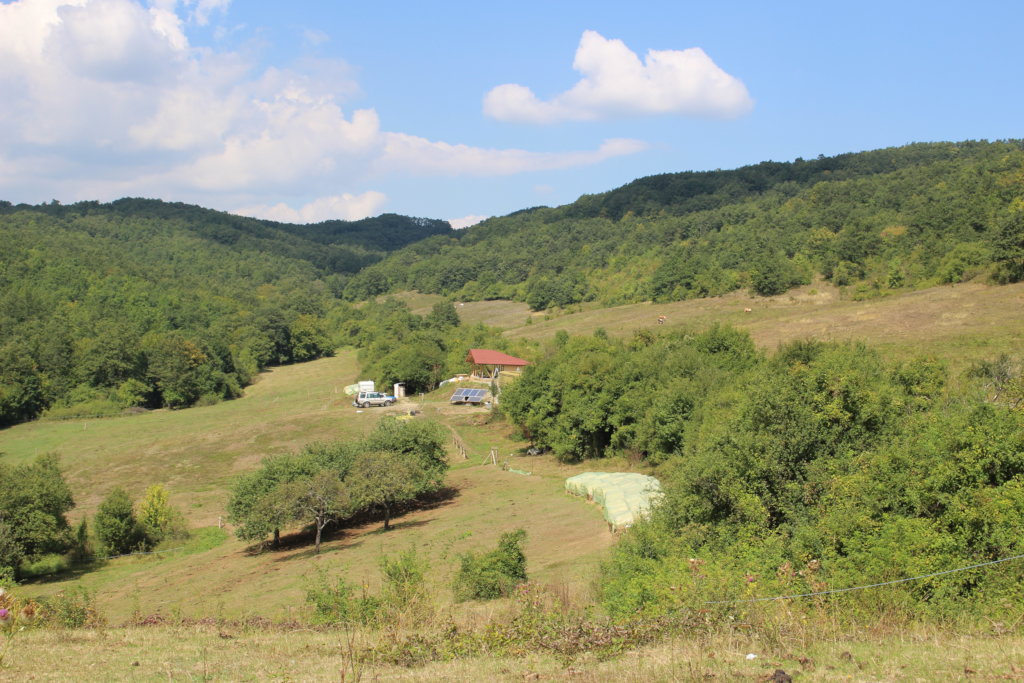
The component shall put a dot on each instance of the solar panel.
(468, 395)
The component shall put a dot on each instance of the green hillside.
(146, 303)
(875, 221)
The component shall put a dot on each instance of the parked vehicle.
(365, 399)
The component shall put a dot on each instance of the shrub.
(337, 603)
(403, 595)
(11, 553)
(157, 518)
(493, 574)
(76, 609)
(115, 524)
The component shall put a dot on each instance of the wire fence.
(150, 552)
(866, 586)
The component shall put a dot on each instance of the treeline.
(819, 466)
(887, 219)
(143, 303)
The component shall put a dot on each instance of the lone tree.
(320, 498)
(384, 480)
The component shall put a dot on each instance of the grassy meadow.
(210, 591)
(196, 452)
(960, 323)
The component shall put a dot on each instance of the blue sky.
(305, 111)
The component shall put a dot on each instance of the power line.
(870, 585)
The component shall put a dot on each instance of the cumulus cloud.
(106, 98)
(346, 207)
(616, 83)
(465, 221)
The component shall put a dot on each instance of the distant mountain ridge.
(335, 245)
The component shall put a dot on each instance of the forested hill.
(146, 303)
(332, 246)
(878, 220)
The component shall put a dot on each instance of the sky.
(306, 111)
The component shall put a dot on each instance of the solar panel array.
(468, 395)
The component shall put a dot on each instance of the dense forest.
(903, 217)
(820, 465)
(144, 303)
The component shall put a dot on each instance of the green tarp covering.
(623, 496)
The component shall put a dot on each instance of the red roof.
(488, 357)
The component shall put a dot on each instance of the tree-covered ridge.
(332, 246)
(909, 216)
(146, 303)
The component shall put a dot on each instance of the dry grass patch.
(230, 652)
(961, 323)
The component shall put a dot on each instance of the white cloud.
(616, 83)
(411, 153)
(107, 98)
(466, 221)
(346, 207)
(204, 8)
(315, 37)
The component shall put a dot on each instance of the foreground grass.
(230, 652)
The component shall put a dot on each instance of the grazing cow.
(747, 310)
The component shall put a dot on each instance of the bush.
(403, 595)
(115, 524)
(157, 519)
(45, 565)
(76, 609)
(337, 603)
(11, 553)
(493, 574)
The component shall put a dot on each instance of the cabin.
(489, 364)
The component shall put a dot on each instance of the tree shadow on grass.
(302, 539)
(335, 532)
(71, 573)
(398, 526)
(325, 550)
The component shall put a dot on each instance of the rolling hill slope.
(877, 221)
